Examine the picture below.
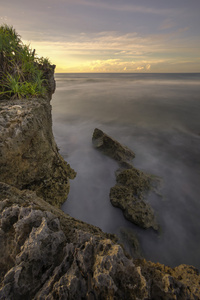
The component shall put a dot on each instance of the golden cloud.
(114, 52)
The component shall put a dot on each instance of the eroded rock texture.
(111, 147)
(29, 156)
(128, 193)
(46, 254)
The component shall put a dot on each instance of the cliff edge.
(29, 157)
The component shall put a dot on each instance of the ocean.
(158, 117)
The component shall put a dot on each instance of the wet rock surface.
(132, 184)
(46, 254)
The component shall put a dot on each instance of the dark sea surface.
(158, 117)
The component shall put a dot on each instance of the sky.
(151, 36)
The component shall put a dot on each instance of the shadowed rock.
(29, 157)
(111, 147)
(46, 254)
(129, 239)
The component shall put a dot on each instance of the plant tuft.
(22, 73)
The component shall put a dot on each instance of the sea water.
(158, 117)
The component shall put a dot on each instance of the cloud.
(124, 7)
(167, 24)
(140, 68)
(148, 67)
(129, 44)
(113, 52)
(112, 65)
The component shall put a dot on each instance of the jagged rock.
(135, 180)
(127, 194)
(48, 263)
(29, 156)
(182, 282)
(111, 147)
(46, 254)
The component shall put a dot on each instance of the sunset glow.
(110, 36)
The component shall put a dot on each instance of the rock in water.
(111, 147)
(128, 193)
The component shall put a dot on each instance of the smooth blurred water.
(158, 117)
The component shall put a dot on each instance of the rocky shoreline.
(45, 253)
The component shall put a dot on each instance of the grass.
(22, 73)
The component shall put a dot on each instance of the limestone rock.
(127, 194)
(111, 147)
(45, 254)
(29, 156)
(131, 185)
(166, 283)
(48, 264)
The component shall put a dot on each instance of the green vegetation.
(22, 73)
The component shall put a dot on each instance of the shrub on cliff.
(22, 73)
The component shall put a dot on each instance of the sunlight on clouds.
(115, 52)
(148, 67)
(139, 68)
(112, 65)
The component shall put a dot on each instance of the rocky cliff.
(46, 254)
(28, 153)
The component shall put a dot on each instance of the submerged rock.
(132, 184)
(130, 242)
